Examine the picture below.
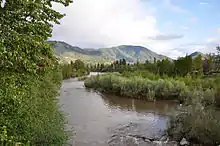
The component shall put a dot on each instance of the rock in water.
(164, 138)
(184, 142)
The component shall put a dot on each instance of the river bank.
(137, 87)
(200, 98)
(103, 120)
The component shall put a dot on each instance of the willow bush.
(144, 88)
(199, 124)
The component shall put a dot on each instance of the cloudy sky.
(168, 27)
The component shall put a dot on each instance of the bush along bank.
(198, 124)
(30, 76)
(197, 121)
(74, 69)
(143, 88)
(29, 108)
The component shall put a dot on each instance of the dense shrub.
(198, 124)
(29, 74)
(76, 69)
(29, 108)
(144, 74)
(144, 88)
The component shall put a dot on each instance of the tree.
(165, 67)
(120, 61)
(208, 64)
(29, 74)
(78, 64)
(197, 64)
(183, 65)
(124, 62)
(155, 60)
(25, 25)
(217, 58)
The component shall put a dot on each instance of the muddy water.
(104, 120)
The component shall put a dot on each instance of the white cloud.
(209, 46)
(213, 40)
(166, 37)
(184, 27)
(109, 23)
(218, 30)
(203, 3)
(174, 53)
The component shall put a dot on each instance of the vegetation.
(76, 69)
(30, 75)
(82, 78)
(198, 123)
(192, 81)
(154, 88)
(180, 67)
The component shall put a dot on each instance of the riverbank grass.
(139, 87)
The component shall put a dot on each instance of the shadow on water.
(103, 120)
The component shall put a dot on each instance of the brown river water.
(105, 120)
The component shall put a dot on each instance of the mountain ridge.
(131, 53)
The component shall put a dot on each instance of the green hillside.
(195, 54)
(104, 55)
(131, 53)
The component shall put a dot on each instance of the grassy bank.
(139, 87)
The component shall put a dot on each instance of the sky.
(170, 27)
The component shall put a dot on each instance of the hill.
(104, 55)
(195, 54)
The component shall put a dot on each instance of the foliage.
(197, 65)
(75, 69)
(25, 25)
(140, 87)
(29, 74)
(29, 107)
(165, 67)
(198, 124)
(183, 65)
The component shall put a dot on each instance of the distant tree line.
(181, 67)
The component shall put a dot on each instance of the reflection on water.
(159, 107)
(95, 118)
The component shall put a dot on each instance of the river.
(105, 120)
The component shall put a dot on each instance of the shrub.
(162, 89)
(198, 124)
(82, 78)
(140, 88)
(29, 111)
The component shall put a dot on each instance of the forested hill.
(128, 52)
